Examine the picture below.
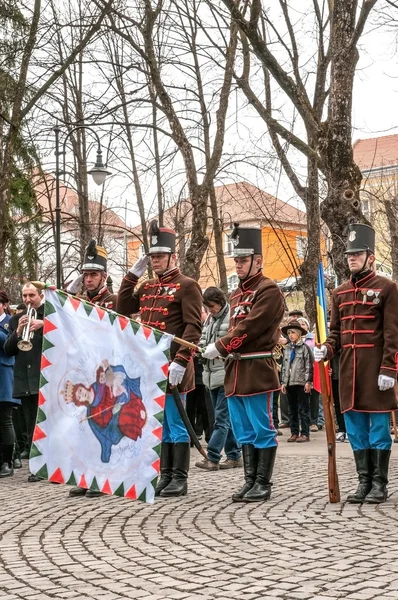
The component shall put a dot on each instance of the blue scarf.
(293, 353)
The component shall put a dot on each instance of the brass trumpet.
(25, 344)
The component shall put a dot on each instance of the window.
(228, 245)
(301, 246)
(233, 282)
(365, 206)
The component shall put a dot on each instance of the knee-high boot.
(380, 462)
(166, 466)
(363, 463)
(178, 485)
(249, 454)
(261, 489)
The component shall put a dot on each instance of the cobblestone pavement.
(202, 546)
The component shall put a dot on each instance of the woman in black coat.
(7, 433)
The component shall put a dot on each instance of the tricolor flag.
(102, 393)
(321, 317)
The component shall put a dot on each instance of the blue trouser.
(222, 436)
(251, 419)
(368, 430)
(174, 430)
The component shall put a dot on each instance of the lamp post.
(99, 173)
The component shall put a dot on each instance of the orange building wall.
(279, 252)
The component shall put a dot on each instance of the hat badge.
(90, 257)
(154, 240)
(352, 236)
(235, 241)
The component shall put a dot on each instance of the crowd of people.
(253, 374)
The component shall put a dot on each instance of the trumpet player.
(27, 326)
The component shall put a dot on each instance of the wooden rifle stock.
(328, 409)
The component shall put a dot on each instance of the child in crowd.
(297, 378)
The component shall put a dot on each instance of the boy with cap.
(251, 375)
(364, 326)
(172, 303)
(296, 379)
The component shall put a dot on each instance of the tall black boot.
(363, 463)
(249, 454)
(166, 466)
(178, 485)
(261, 489)
(380, 462)
(7, 469)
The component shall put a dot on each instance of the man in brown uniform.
(364, 326)
(172, 303)
(251, 375)
(93, 278)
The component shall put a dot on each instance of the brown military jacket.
(364, 325)
(256, 312)
(104, 298)
(171, 303)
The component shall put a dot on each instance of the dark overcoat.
(364, 325)
(27, 364)
(6, 364)
(171, 303)
(257, 308)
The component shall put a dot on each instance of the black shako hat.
(360, 238)
(246, 241)
(95, 258)
(161, 239)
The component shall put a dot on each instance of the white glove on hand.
(385, 382)
(139, 268)
(75, 285)
(176, 374)
(320, 353)
(211, 352)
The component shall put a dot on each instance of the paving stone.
(203, 547)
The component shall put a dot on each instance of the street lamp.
(99, 173)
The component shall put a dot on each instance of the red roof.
(44, 186)
(376, 152)
(242, 202)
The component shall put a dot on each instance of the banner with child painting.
(102, 393)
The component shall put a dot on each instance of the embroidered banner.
(102, 393)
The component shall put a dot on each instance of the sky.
(374, 113)
(376, 85)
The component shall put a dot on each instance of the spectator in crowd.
(317, 419)
(196, 405)
(7, 433)
(27, 363)
(297, 378)
(222, 437)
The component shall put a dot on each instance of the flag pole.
(328, 409)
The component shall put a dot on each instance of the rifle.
(328, 409)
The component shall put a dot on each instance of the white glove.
(75, 285)
(320, 353)
(176, 374)
(139, 268)
(385, 382)
(211, 352)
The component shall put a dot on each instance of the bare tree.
(30, 84)
(144, 34)
(316, 86)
